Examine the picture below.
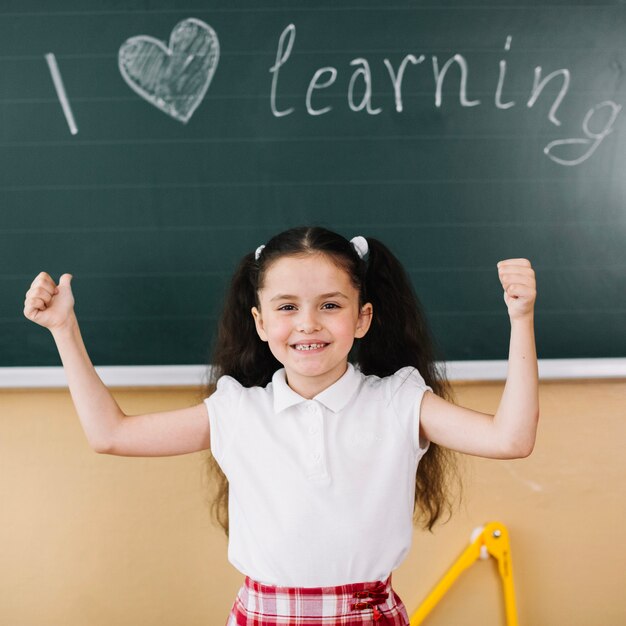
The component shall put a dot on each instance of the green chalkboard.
(145, 146)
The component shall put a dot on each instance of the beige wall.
(88, 539)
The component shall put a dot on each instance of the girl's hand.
(518, 281)
(47, 304)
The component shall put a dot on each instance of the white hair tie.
(257, 252)
(360, 245)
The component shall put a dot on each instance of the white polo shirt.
(321, 491)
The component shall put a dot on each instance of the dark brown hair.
(399, 336)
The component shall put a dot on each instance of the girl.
(327, 400)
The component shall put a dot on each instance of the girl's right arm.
(107, 428)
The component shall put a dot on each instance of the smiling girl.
(329, 425)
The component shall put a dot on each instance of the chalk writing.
(396, 78)
(596, 137)
(60, 89)
(173, 78)
(538, 88)
(363, 75)
(501, 75)
(281, 57)
(439, 76)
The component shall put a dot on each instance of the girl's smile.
(309, 314)
(309, 347)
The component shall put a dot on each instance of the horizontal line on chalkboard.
(312, 183)
(318, 9)
(431, 314)
(271, 54)
(336, 139)
(134, 275)
(411, 270)
(449, 92)
(386, 226)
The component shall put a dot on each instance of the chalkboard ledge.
(196, 375)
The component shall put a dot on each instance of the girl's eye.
(330, 305)
(286, 307)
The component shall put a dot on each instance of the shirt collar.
(334, 397)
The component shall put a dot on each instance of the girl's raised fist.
(48, 304)
(520, 288)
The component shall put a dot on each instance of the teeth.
(310, 346)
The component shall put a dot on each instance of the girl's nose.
(308, 323)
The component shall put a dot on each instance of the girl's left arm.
(510, 433)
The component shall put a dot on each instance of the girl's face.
(309, 314)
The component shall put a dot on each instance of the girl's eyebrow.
(324, 296)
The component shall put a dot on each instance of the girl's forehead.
(306, 274)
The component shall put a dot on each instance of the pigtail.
(400, 336)
(239, 351)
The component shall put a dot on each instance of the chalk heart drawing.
(173, 78)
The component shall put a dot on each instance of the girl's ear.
(258, 322)
(365, 320)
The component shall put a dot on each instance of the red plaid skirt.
(374, 603)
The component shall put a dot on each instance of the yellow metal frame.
(489, 540)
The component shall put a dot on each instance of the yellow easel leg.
(496, 538)
(492, 539)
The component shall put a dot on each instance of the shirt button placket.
(316, 440)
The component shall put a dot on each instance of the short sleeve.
(407, 388)
(223, 408)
